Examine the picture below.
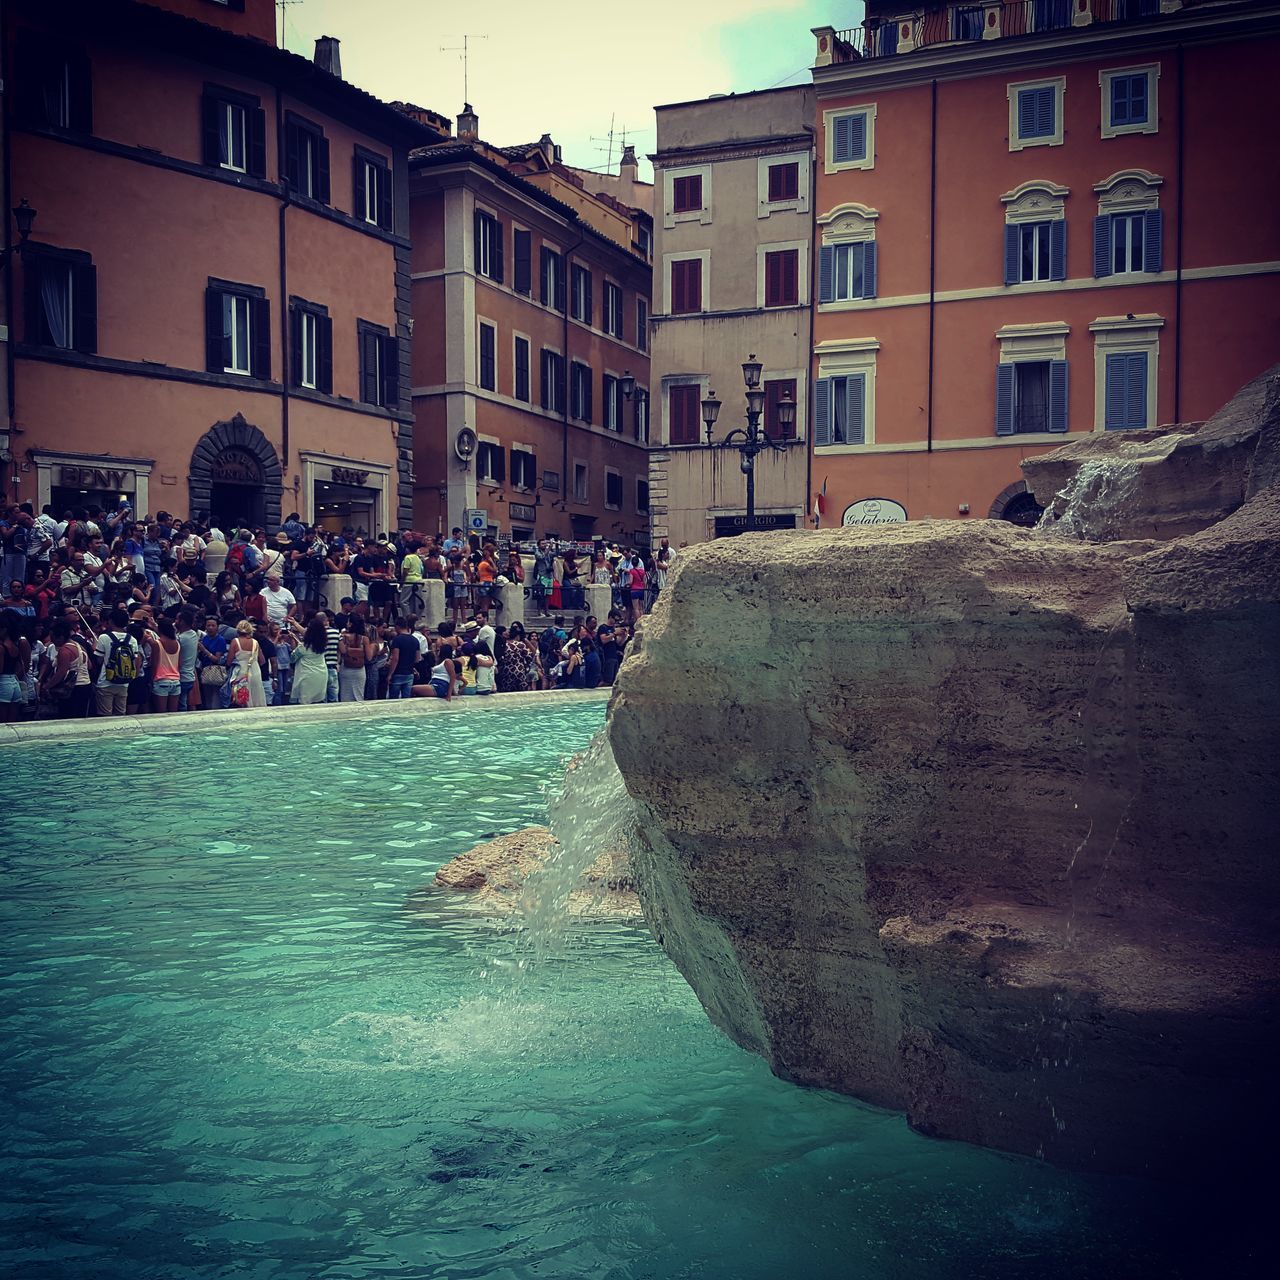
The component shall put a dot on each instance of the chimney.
(328, 58)
(468, 124)
(550, 152)
(628, 162)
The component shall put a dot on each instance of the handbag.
(213, 677)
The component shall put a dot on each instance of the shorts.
(166, 688)
(441, 687)
(637, 595)
(460, 592)
(11, 689)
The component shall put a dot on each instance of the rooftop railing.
(971, 23)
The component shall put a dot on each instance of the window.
(580, 392)
(967, 22)
(488, 357)
(642, 324)
(379, 365)
(850, 138)
(581, 306)
(686, 286)
(62, 300)
(642, 496)
(237, 330)
(1031, 397)
(521, 252)
(306, 158)
(1126, 390)
(612, 310)
(640, 403)
(886, 38)
(644, 240)
(311, 346)
(782, 278)
(524, 467)
(847, 271)
(784, 181)
(371, 175)
(686, 194)
(774, 390)
(552, 279)
(490, 463)
(1051, 15)
(840, 410)
(1035, 251)
(1035, 113)
(613, 402)
(234, 132)
(54, 89)
(1129, 100)
(552, 381)
(521, 384)
(581, 483)
(684, 412)
(1128, 233)
(488, 246)
(613, 489)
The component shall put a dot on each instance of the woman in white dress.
(246, 671)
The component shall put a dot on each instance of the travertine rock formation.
(495, 874)
(978, 824)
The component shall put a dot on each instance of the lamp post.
(751, 440)
(24, 216)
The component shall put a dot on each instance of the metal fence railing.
(965, 23)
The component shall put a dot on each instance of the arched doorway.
(1018, 505)
(236, 477)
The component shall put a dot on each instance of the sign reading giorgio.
(729, 526)
(874, 511)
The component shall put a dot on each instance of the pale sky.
(571, 68)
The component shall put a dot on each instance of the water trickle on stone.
(1084, 508)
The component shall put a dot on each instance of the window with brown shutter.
(686, 194)
(686, 286)
(782, 278)
(784, 181)
(773, 392)
(684, 407)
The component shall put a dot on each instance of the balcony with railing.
(889, 34)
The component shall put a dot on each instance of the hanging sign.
(875, 511)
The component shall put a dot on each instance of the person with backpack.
(118, 660)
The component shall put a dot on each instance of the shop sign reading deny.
(93, 478)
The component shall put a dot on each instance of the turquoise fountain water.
(241, 1038)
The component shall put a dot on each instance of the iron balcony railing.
(965, 23)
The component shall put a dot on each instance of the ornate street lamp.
(750, 440)
(628, 382)
(23, 216)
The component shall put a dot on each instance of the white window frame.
(1129, 191)
(838, 358)
(607, 289)
(229, 112)
(800, 204)
(622, 497)
(238, 300)
(551, 271)
(1016, 141)
(669, 216)
(582, 495)
(829, 138)
(309, 343)
(574, 382)
(1152, 125)
(801, 248)
(640, 400)
(1034, 343)
(609, 402)
(482, 456)
(699, 380)
(374, 176)
(1125, 335)
(704, 256)
(308, 161)
(519, 450)
(579, 271)
(483, 247)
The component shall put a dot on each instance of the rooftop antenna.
(620, 135)
(462, 48)
(283, 7)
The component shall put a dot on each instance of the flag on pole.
(820, 503)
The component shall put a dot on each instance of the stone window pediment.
(848, 223)
(1038, 200)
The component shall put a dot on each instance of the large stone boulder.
(1164, 483)
(978, 823)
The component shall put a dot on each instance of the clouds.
(566, 68)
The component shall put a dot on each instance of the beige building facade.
(733, 212)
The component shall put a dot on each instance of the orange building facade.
(211, 314)
(530, 355)
(1034, 221)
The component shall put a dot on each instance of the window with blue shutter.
(855, 417)
(822, 412)
(1129, 99)
(1035, 251)
(1128, 242)
(1057, 395)
(1126, 391)
(1037, 112)
(1058, 250)
(827, 273)
(847, 271)
(849, 142)
(1004, 399)
(1102, 246)
(1153, 240)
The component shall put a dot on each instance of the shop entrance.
(235, 477)
(346, 506)
(62, 498)
(235, 491)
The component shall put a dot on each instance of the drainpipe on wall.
(1177, 288)
(568, 382)
(810, 381)
(933, 225)
(284, 306)
(10, 378)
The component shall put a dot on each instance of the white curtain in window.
(55, 298)
(1033, 396)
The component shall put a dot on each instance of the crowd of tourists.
(104, 614)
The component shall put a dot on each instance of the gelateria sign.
(874, 511)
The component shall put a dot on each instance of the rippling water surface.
(239, 1041)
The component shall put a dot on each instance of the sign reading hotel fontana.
(874, 511)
